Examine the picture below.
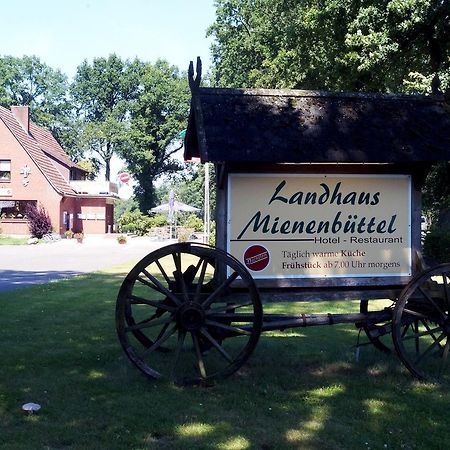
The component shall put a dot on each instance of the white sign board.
(316, 226)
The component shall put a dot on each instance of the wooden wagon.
(318, 197)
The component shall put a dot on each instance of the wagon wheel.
(180, 315)
(421, 325)
(377, 333)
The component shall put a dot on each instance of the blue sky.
(62, 33)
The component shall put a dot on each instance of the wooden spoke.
(220, 349)
(179, 349)
(179, 275)
(436, 306)
(416, 333)
(163, 272)
(160, 287)
(145, 324)
(136, 300)
(415, 313)
(207, 303)
(405, 330)
(425, 324)
(200, 279)
(223, 326)
(162, 338)
(429, 349)
(198, 354)
(150, 285)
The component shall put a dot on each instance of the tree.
(354, 45)
(29, 82)
(103, 93)
(158, 116)
(372, 45)
(406, 42)
(191, 190)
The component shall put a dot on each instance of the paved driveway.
(24, 265)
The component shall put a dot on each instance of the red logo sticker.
(256, 258)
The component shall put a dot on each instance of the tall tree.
(157, 118)
(27, 81)
(376, 45)
(103, 93)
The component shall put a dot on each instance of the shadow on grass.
(301, 389)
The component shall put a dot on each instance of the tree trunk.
(107, 169)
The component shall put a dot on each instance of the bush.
(436, 246)
(134, 222)
(190, 221)
(184, 234)
(39, 221)
(212, 234)
(158, 220)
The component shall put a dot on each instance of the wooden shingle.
(273, 126)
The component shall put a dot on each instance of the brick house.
(35, 169)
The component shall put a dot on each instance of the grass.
(7, 240)
(301, 389)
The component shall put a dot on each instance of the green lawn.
(301, 389)
(7, 240)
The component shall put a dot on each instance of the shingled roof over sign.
(268, 126)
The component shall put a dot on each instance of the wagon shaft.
(281, 322)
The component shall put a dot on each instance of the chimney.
(22, 115)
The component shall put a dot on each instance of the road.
(25, 265)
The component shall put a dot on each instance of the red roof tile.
(38, 144)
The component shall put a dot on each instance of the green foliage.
(382, 45)
(137, 223)
(212, 234)
(157, 117)
(436, 195)
(158, 220)
(91, 166)
(9, 240)
(374, 45)
(122, 206)
(189, 220)
(183, 234)
(190, 188)
(436, 245)
(27, 81)
(103, 93)
(39, 221)
(134, 222)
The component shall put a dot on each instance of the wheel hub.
(191, 316)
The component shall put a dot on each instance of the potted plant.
(122, 239)
(79, 237)
(68, 234)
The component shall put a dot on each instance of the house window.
(15, 209)
(5, 170)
